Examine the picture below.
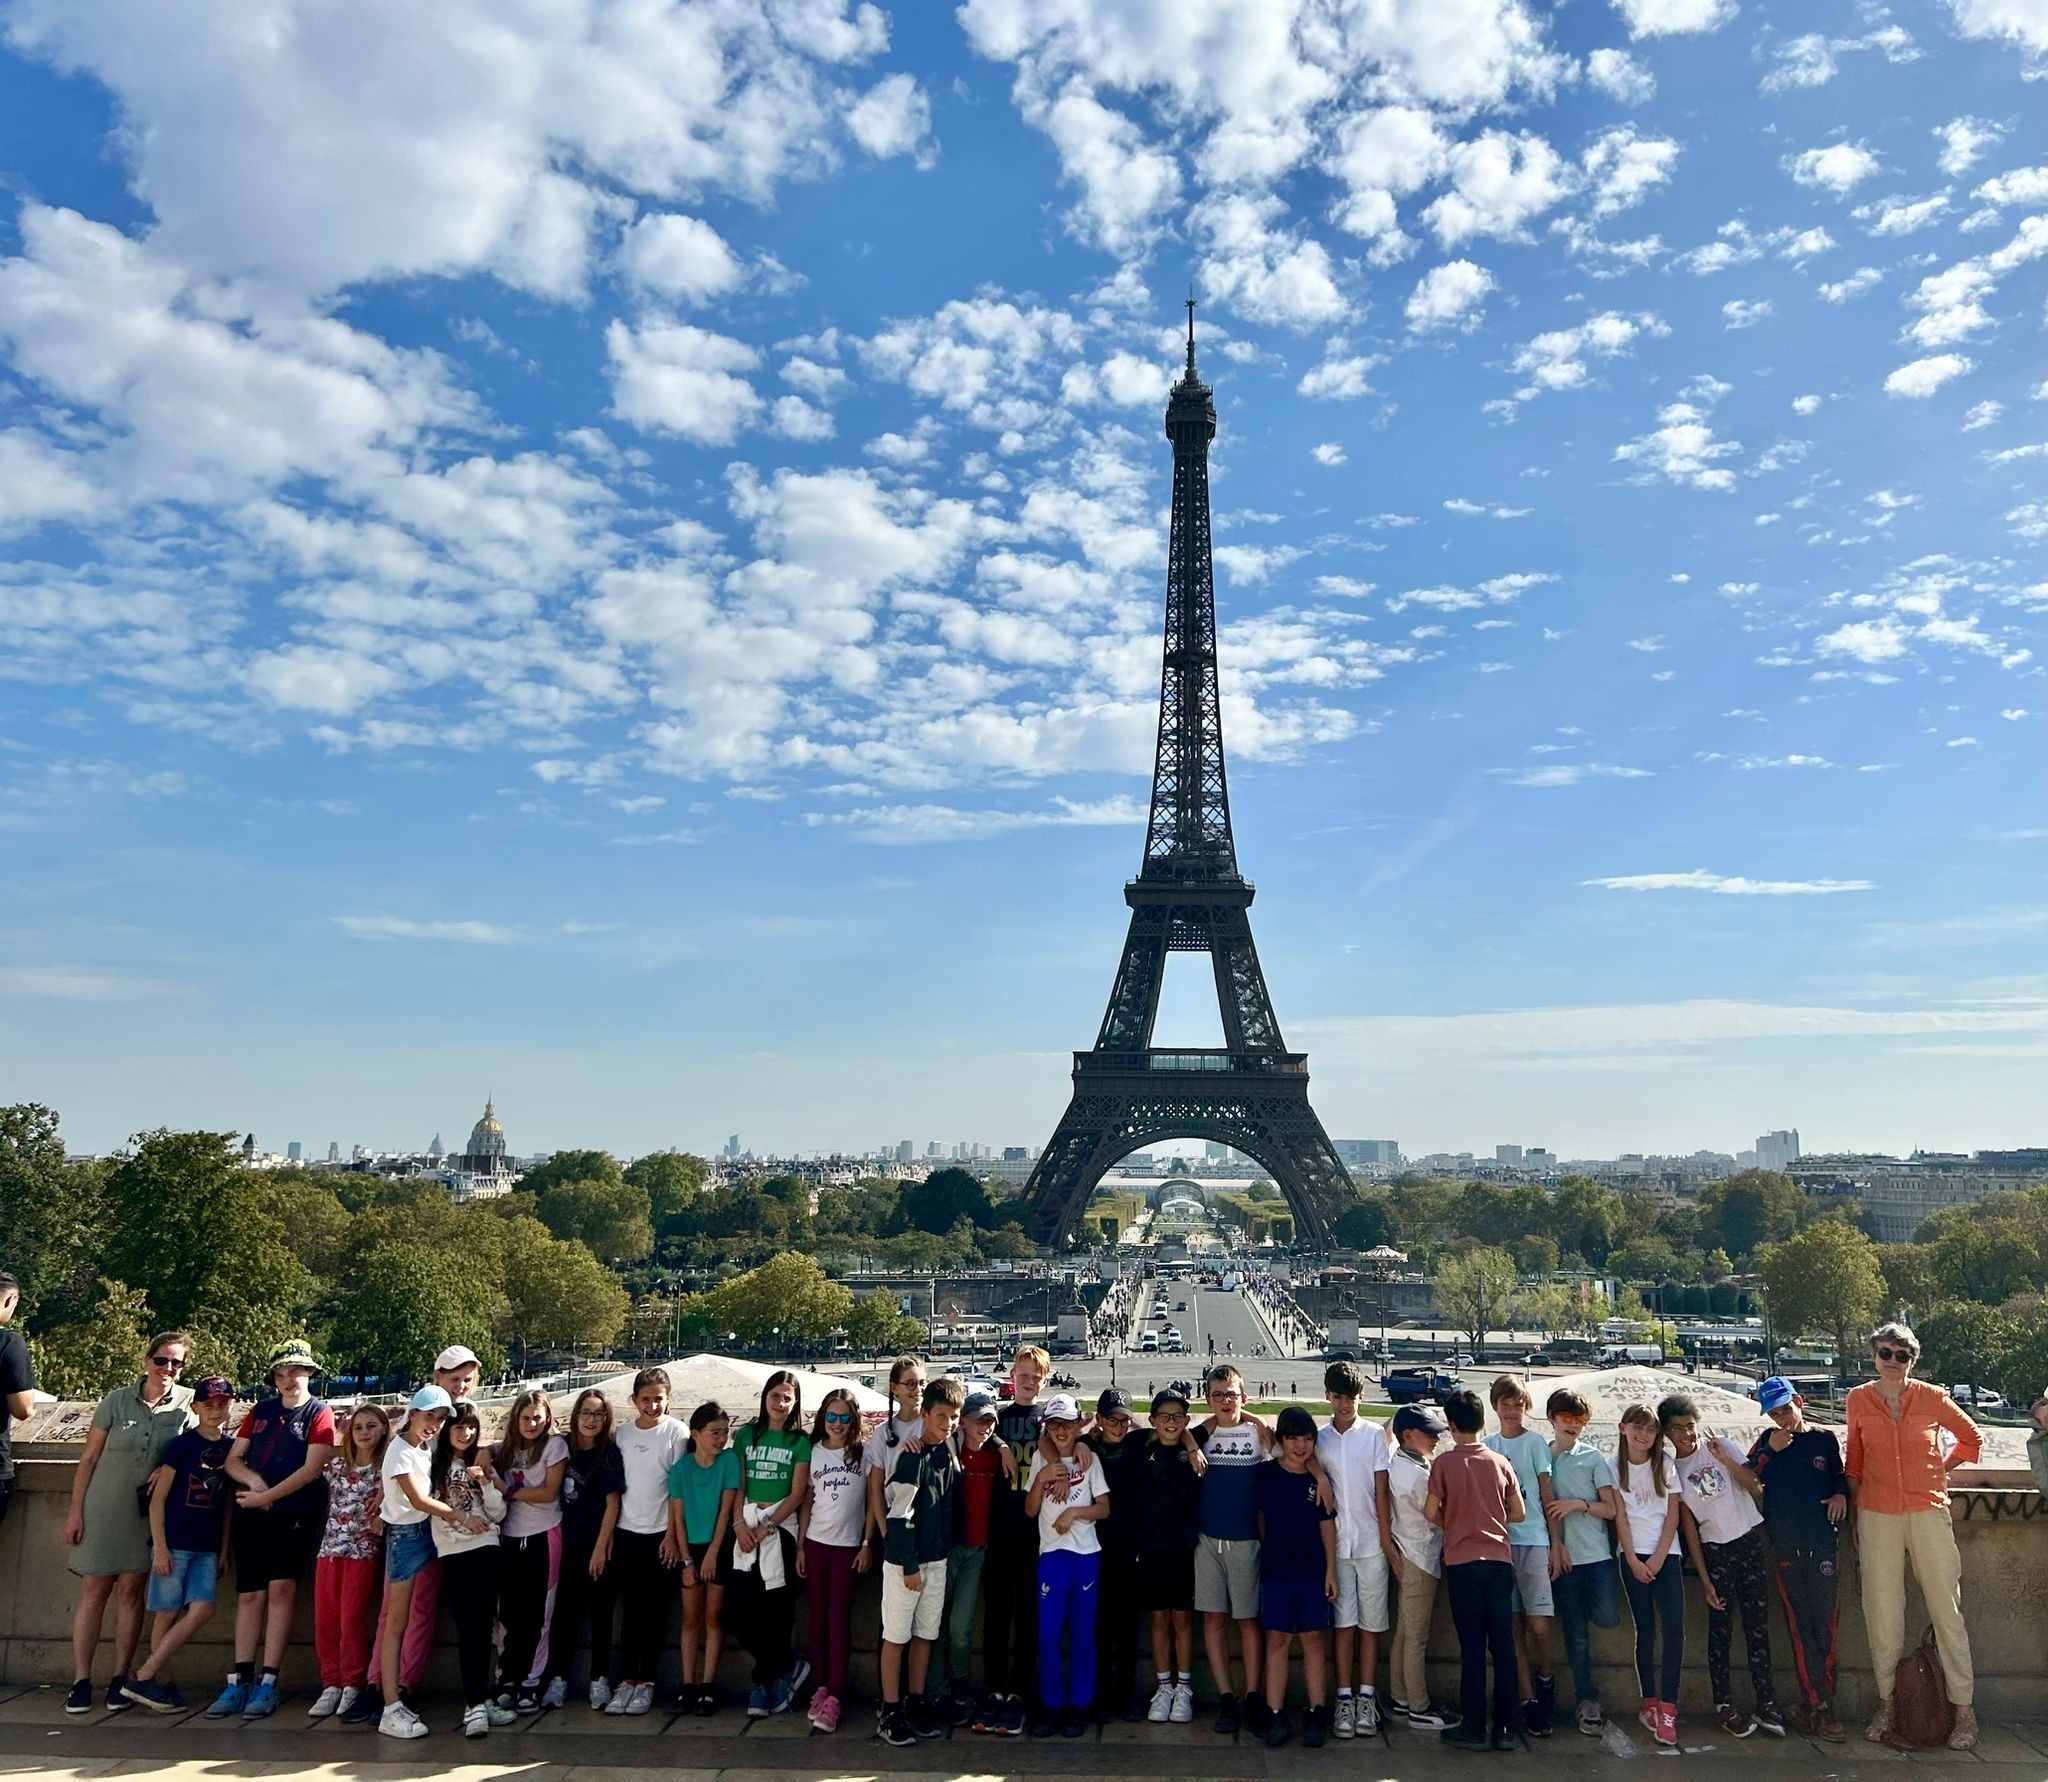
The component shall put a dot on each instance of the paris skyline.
(656, 612)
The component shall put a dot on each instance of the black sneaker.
(1279, 1729)
(117, 1703)
(893, 1729)
(1540, 1714)
(367, 1707)
(1137, 1707)
(923, 1722)
(707, 1701)
(1316, 1728)
(79, 1701)
(1226, 1714)
(957, 1706)
(1257, 1716)
(1465, 1738)
(1044, 1722)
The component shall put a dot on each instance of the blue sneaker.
(231, 1701)
(262, 1700)
(757, 1702)
(788, 1685)
(158, 1696)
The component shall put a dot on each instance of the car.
(1148, 1344)
(1536, 1359)
(1412, 1385)
(1174, 1346)
(1180, 1305)
(1461, 1359)
(1005, 1391)
(1159, 1315)
(1982, 1397)
(1171, 1333)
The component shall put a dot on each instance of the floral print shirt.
(354, 1495)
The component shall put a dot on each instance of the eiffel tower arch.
(1251, 1093)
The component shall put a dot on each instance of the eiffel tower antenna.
(1189, 897)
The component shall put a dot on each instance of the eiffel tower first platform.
(1189, 897)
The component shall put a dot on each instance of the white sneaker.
(1183, 1703)
(643, 1698)
(476, 1722)
(1368, 1716)
(500, 1716)
(1162, 1702)
(557, 1693)
(621, 1698)
(601, 1694)
(1344, 1725)
(327, 1702)
(400, 1722)
(349, 1698)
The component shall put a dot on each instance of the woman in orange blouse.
(1898, 1477)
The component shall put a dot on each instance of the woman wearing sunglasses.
(1898, 1481)
(832, 1549)
(107, 1530)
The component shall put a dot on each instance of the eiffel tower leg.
(1085, 1144)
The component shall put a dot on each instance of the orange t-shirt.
(1896, 1462)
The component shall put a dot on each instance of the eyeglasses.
(169, 1363)
(1885, 1352)
(838, 1416)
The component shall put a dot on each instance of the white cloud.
(1127, 185)
(893, 117)
(2019, 22)
(2021, 185)
(1923, 377)
(1267, 272)
(1620, 76)
(1648, 646)
(668, 377)
(1449, 296)
(1805, 61)
(910, 825)
(1983, 414)
(1963, 142)
(1341, 376)
(1731, 885)
(1739, 314)
(1901, 216)
(1344, 587)
(681, 258)
(1570, 774)
(1674, 18)
(1381, 156)
(1623, 168)
(1839, 168)
(1498, 183)
(1805, 405)
(1854, 285)
(1682, 449)
(480, 934)
(1328, 453)
(794, 418)
(67, 983)
(1459, 505)
(1865, 640)
(1558, 360)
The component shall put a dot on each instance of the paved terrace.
(574, 1745)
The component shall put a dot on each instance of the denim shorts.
(193, 1578)
(408, 1550)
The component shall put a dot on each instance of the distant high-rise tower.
(249, 1149)
(1775, 1150)
(295, 1151)
(732, 1148)
(905, 1150)
(334, 1150)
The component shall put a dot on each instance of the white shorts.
(1362, 1593)
(913, 1614)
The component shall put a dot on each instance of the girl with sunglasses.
(832, 1548)
(108, 1538)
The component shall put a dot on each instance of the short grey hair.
(1895, 1332)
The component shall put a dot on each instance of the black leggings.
(1739, 1571)
(1660, 1600)
(469, 1586)
(1121, 1629)
(763, 1620)
(581, 1599)
(645, 1589)
(1009, 1595)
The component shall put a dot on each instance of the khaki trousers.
(1928, 1539)
(1406, 1677)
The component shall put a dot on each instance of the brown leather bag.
(1921, 1715)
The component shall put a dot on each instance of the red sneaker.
(1667, 1726)
(1647, 1714)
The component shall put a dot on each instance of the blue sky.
(611, 554)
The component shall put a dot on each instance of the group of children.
(1078, 1536)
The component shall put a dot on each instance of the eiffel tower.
(1188, 897)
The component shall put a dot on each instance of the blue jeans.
(1066, 1605)
(1662, 1600)
(1587, 1597)
(191, 1579)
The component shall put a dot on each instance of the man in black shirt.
(17, 1384)
(1804, 1500)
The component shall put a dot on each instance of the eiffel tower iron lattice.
(1189, 897)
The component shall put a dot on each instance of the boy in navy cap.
(1805, 1498)
(188, 1519)
(1415, 1560)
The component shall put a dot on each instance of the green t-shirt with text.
(769, 1461)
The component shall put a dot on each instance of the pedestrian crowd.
(1093, 1545)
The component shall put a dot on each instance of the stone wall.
(2003, 1534)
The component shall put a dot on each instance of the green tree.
(1586, 1218)
(558, 1295)
(1749, 1210)
(1366, 1224)
(99, 1349)
(50, 1215)
(309, 1215)
(671, 1180)
(1963, 1343)
(1536, 1255)
(1007, 1243)
(1646, 1259)
(909, 1336)
(1825, 1278)
(611, 1218)
(1261, 1189)
(406, 1304)
(788, 1292)
(572, 1166)
(1547, 1307)
(1910, 1282)
(1474, 1290)
(1991, 1260)
(871, 1323)
(942, 1199)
